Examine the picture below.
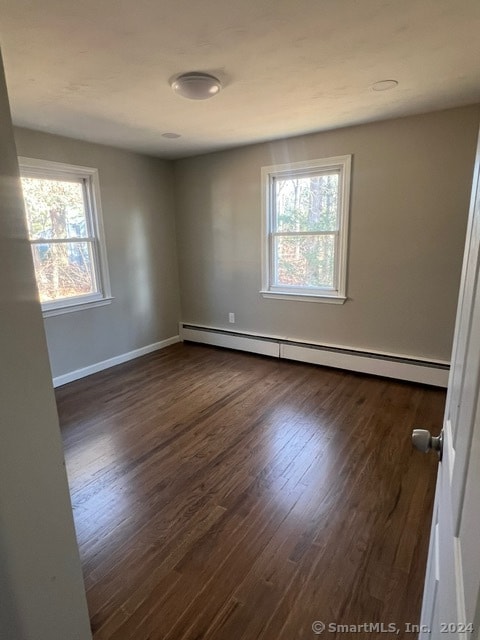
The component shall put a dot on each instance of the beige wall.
(41, 589)
(138, 212)
(410, 189)
(410, 192)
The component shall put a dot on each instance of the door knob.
(424, 441)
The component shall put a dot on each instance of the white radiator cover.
(399, 367)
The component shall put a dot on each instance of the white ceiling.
(99, 70)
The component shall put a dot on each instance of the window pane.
(307, 204)
(64, 269)
(55, 208)
(305, 261)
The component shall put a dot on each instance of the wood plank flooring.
(227, 496)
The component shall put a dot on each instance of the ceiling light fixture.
(384, 85)
(196, 86)
(171, 135)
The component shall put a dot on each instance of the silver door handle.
(424, 441)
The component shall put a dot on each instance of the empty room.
(240, 346)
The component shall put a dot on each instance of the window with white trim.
(62, 204)
(305, 229)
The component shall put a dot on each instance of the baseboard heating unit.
(400, 367)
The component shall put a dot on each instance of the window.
(62, 204)
(305, 229)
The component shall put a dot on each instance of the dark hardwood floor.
(228, 496)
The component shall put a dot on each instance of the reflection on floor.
(228, 496)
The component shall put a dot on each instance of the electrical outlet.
(231, 318)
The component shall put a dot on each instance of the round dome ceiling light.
(384, 85)
(171, 136)
(196, 86)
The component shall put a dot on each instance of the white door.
(451, 607)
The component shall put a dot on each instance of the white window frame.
(337, 293)
(49, 170)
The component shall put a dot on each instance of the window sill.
(304, 297)
(70, 308)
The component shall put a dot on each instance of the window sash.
(62, 240)
(273, 271)
(298, 175)
(335, 232)
(292, 174)
(96, 284)
(273, 284)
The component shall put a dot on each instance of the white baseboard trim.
(111, 362)
(399, 367)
